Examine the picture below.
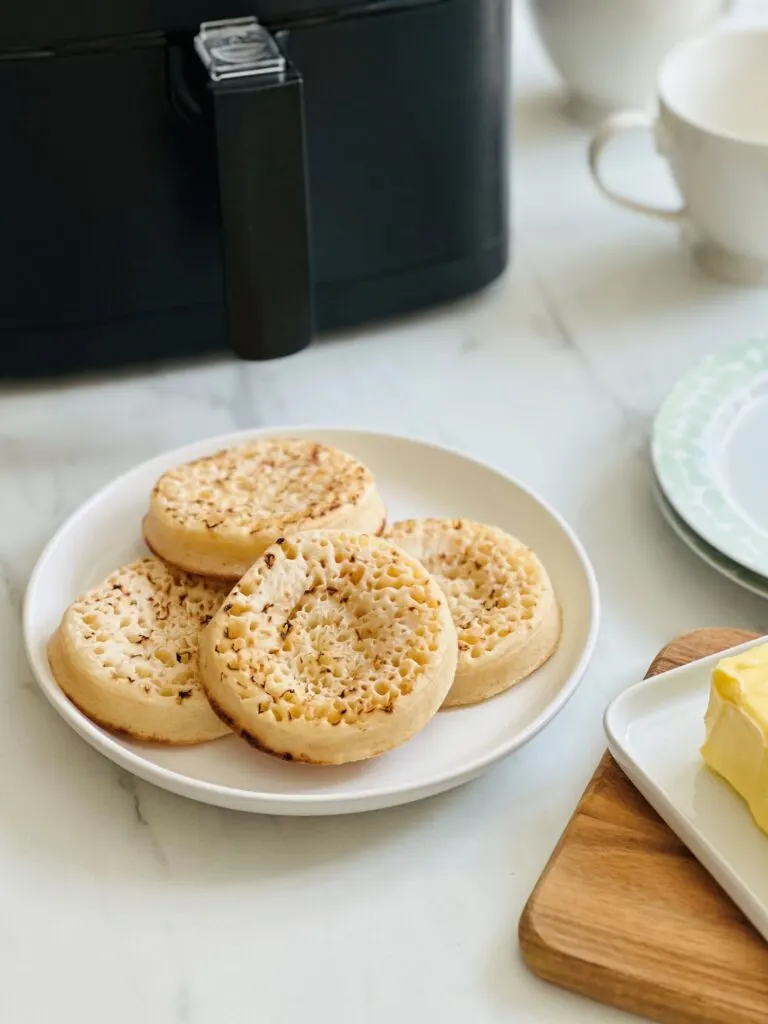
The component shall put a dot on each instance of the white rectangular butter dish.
(655, 729)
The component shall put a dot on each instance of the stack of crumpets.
(278, 606)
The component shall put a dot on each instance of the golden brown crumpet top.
(126, 653)
(334, 647)
(216, 515)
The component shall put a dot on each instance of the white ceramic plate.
(710, 452)
(416, 479)
(731, 570)
(655, 730)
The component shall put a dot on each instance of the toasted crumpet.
(126, 653)
(333, 647)
(216, 515)
(501, 599)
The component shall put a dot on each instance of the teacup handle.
(613, 125)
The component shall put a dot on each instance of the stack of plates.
(710, 456)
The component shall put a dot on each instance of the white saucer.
(416, 479)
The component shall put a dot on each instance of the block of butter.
(736, 744)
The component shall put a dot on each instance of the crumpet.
(216, 515)
(332, 648)
(501, 599)
(126, 653)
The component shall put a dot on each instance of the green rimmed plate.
(725, 566)
(710, 452)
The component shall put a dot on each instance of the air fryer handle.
(259, 125)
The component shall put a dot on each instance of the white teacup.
(712, 126)
(608, 51)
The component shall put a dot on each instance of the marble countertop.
(121, 902)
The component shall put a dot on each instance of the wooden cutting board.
(625, 915)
